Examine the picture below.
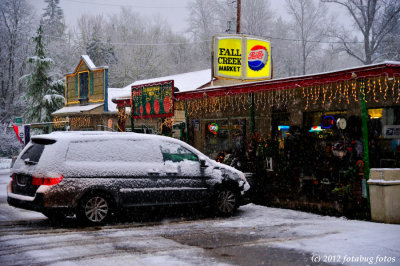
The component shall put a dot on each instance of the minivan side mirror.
(202, 162)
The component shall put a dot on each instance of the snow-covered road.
(256, 235)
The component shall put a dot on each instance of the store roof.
(388, 68)
(184, 82)
(76, 109)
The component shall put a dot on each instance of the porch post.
(252, 119)
(364, 118)
(186, 123)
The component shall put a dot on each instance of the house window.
(83, 86)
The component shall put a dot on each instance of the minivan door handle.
(153, 173)
(172, 174)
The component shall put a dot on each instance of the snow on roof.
(89, 64)
(88, 61)
(184, 82)
(76, 109)
(117, 93)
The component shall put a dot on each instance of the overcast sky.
(174, 11)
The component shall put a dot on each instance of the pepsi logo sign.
(257, 58)
(328, 122)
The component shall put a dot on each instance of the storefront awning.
(76, 109)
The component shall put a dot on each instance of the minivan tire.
(95, 208)
(225, 201)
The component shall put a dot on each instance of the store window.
(280, 124)
(385, 122)
(316, 121)
(216, 137)
(238, 132)
(384, 135)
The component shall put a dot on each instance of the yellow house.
(86, 94)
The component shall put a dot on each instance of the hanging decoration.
(213, 128)
(168, 122)
(121, 124)
(377, 89)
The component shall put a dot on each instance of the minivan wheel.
(226, 202)
(95, 208)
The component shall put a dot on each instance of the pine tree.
(53, 19)
(102, 53)
(44, 95)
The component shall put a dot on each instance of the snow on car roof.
(88, 135)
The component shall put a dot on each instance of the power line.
(324, 42)
(135, 6)
(137, 44)
(209, 40)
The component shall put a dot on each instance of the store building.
(302, 137)
(149, 119)
(305, 137)
(225, 118)
(229, 117)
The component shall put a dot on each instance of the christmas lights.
(80, 121)
(316, 95)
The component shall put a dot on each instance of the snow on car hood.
(236, 174)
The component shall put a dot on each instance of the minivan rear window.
(33, 153)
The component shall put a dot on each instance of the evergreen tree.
(53, 19)
(102, 53)
(44, 95)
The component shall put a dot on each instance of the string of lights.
(345, 92)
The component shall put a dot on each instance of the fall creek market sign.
(153, 100)
(241, 57)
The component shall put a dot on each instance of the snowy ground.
(256, 235)
(8, 213)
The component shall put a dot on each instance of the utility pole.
(238, 14)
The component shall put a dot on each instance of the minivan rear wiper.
(29, 162)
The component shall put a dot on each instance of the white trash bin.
(384, 191)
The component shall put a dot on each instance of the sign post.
(364, 118)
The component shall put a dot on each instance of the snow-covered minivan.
(96, 174)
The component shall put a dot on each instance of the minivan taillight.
(12, 177)
(47, 181)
